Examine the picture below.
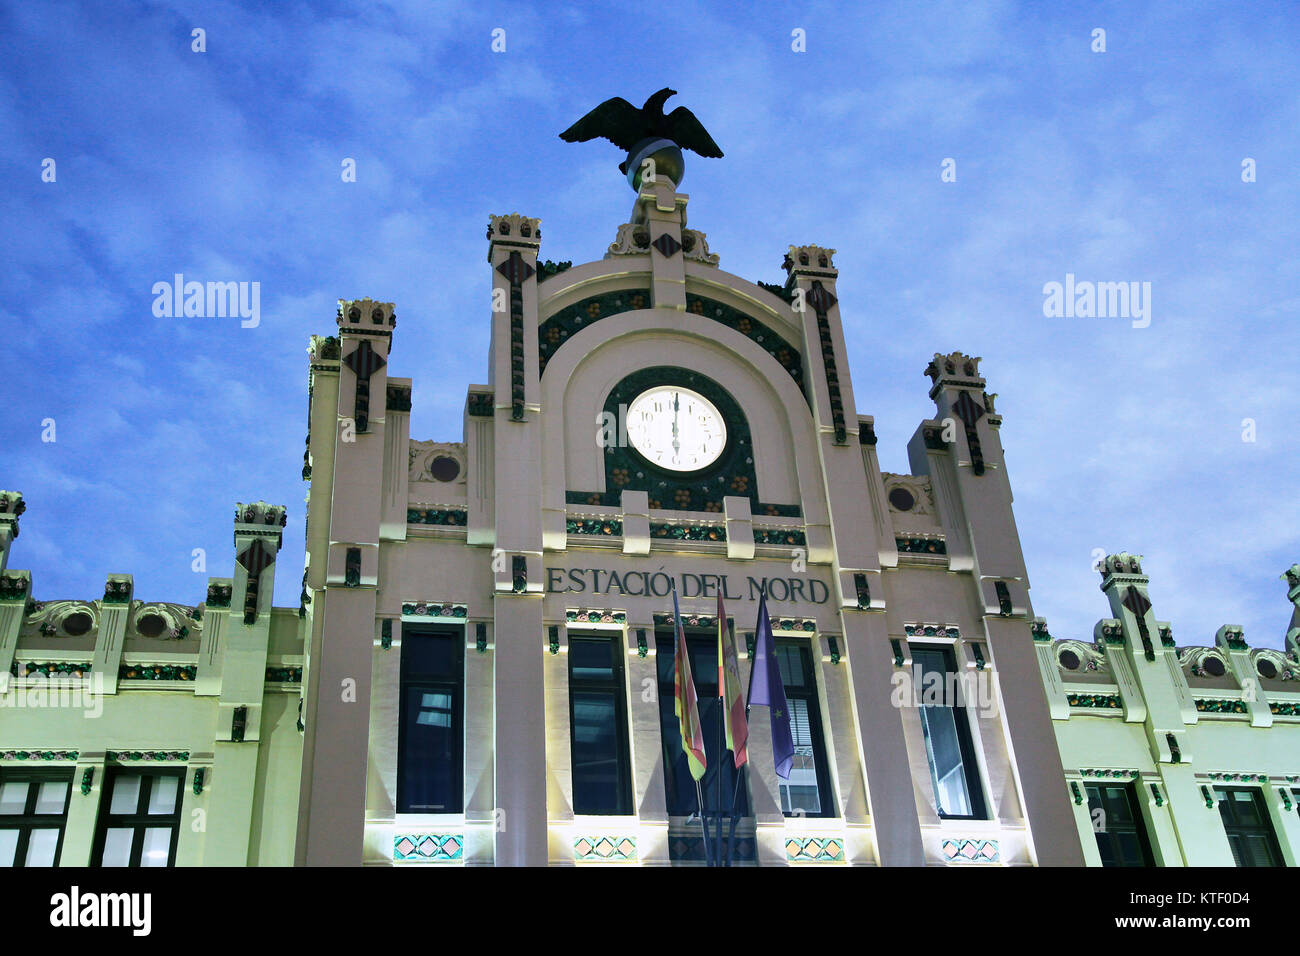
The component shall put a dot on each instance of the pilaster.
(242, 679)
(114, 610)
(336, 741)
(519, 678)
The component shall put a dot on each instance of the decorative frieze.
(451, 516)
(921, 544)
(435, 609)
(687, 532)
(157, 672)
(931, 630)
(688, 620)
(607, 849)
(22, 669)
(814, 850)
(593, 616)
(611, 527)
(284, 675)
(1284, 709)
(1100, 701)
(970, 851)
(1233, 777)
(780, 536)
(38, 755)
(1212, 706)
(156, 756)
(1105, 774)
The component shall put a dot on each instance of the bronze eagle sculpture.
(627, 127)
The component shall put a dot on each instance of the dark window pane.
(429, 748)
(430, 654)
(1250, 833)
(596, 770)
(591, 659)
(1120, 832)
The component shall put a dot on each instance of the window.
(430, 763)
(680, 785)
(602, 779)
(1117, 824)
(953, 771)
(33, 810)
(139, 817)
(1245, 817)
(808, 791)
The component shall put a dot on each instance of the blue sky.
(1116, 166)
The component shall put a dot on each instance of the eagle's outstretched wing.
(616, 120)
(688, 133)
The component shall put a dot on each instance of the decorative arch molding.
(732, 473)
(566, 322)
(592, 362)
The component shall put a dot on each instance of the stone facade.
(532, 529)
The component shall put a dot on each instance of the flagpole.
(717, 787)
(699, 799)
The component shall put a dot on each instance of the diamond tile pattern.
(428, 847)
(614, 849)
(971, 851)
(814, 850)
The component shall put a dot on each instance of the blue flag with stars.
(766, 689)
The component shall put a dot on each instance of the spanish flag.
(729, 689)
(686, 703)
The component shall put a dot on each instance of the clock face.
(676, 428)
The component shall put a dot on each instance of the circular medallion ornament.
(901, 499)
(1213, 666)
(676, 428)
(444, 468)
(77, 623)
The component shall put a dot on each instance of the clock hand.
(676, 444)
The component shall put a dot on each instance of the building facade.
(480, 671)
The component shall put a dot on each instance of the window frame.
(697, 639)
(408, 679)
(1138, 828)
(1265, 828)
(141, 819)
(965, 735)
(811, 695)
(29, 819)
(616, 687)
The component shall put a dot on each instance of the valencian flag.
(767, 689)
(685, 703)
(729, 689)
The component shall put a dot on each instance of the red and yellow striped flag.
(686, 703)
(729, 689)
